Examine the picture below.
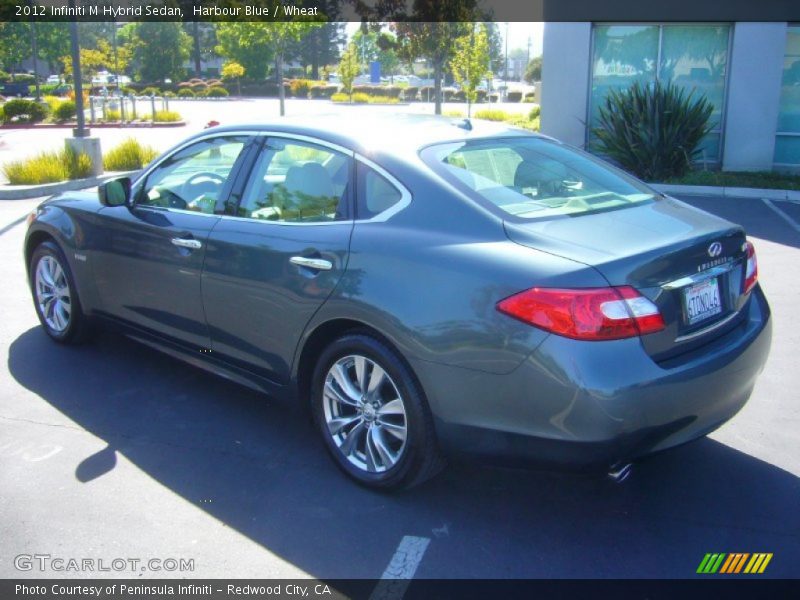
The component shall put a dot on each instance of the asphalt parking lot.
(112, 450)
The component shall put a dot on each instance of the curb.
(24, 192)
(728, 192)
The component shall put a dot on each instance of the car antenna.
(464, 124)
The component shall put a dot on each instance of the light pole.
(506, 65)
(35, 52)
(80, 131)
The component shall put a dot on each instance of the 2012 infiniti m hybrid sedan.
(424, 285)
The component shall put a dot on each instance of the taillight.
(586, 313)
(751, 270)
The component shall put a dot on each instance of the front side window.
(193, 178)
(295, 181)
(534, 178)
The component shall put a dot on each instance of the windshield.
(532, 178)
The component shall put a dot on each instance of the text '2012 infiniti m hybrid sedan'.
(424, 285)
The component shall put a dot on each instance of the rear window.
(533, 178)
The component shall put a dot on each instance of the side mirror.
(116, 192)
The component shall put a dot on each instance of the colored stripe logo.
(734, 562)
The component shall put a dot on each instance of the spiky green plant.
(652, 130)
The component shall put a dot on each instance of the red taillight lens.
(751, 270)
(586, 314)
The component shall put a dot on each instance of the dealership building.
(749, 71)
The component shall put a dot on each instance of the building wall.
(753, 80)
(753, 93)
(565, 81)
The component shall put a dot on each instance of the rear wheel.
(372, 414)
(55, 296)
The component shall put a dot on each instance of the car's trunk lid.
(671, 252)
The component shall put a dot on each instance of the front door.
(149, 258)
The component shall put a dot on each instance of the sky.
(518, 34)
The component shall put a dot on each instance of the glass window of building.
(694, 57)
(787, 141)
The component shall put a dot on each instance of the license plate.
(701, 301)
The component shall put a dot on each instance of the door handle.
(184, 243)
(318, 264)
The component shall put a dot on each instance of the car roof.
(384, 133)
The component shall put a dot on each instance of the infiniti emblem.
(715, 249)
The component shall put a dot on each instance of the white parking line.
(400, 571)
(782, 215)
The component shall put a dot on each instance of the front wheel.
(372, 414)
(55, 295)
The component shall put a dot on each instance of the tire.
(62, 316)
(383, 438)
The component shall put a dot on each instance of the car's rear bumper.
(584, 404)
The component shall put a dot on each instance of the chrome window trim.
(405, 195)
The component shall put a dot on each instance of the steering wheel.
(200, 184)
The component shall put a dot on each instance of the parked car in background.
(465, 287)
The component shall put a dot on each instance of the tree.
(160, 50)
(204, 40)
(233, 70)
(246, 44)
(496, 53)
(15, 44)
(98, 59)
(349, 68)
(470, 62)
(533, 72)
(281, 35)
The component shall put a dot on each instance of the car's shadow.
(258, 467)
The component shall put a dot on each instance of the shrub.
(426, 93)
(216, 92)
(481, 96)
(4, 76)
(459, 96)
(214, 83)
(455, 114)
(322, 91)
(524, 122)
(112, 116)
(360, 97)
(130, 155)
(382, 99)
(652, 130)
(198, 84)
(340, 97)
(514, 96)
(494, 97)
(392, 91)
(299, 87)
(2, 114)
(167, 116)
(535, 112)
(64, 111)
(492, 114)
(410, 94)
(169, 94)
(150, 91)
(48, 167)
(186, 93)
(25, 111)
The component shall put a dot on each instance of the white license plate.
(701, 301)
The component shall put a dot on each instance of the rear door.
(270, 268)
(148, 258)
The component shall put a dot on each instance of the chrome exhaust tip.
(620, 472)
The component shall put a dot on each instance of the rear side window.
(376, 194)
(533, 178)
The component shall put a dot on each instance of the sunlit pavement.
(112, 450)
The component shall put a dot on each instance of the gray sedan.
(425, 286)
